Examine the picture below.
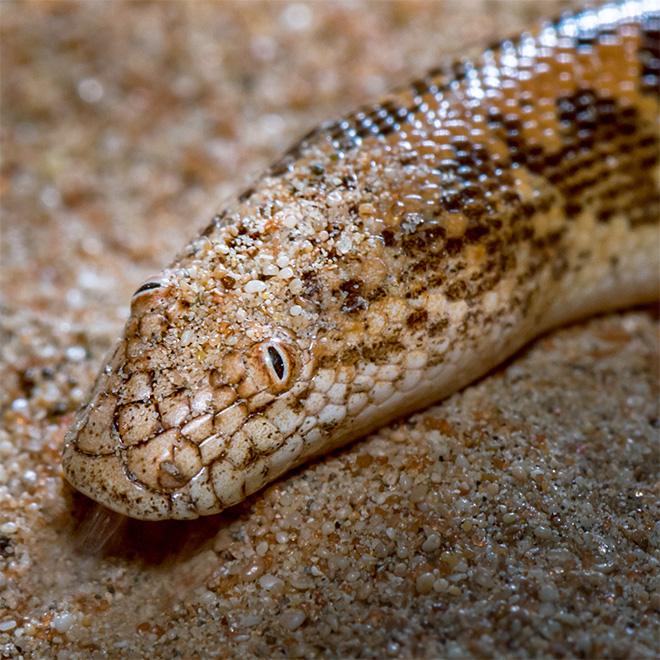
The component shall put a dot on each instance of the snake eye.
(268, 367)
(147, 295)
(278, 363)
(152, 283)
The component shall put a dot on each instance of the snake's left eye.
(153, 283)
(149, 295)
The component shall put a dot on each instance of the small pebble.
(62, 622)
(548, 593)
(8, 527)
(536, 475)
(250, 620)
(292, 619)
(542, 532)
(50, 197)
(271, 270)
(29, 477)
(282, 262)
(432, 543)
(254, 286)
(351, 576)
(75, 353)
(262, 548)
(440, 585)
(296, 287)
(268, 581)
(90, 90)
(424, 583)
(519, 473)
(19, 405)
(462, 462)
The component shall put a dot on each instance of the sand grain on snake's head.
(385, 261)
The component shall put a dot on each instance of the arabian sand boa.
(387, 260)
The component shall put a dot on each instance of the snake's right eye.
(275, 360)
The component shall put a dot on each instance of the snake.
(385, 261)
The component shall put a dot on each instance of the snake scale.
(385, 261)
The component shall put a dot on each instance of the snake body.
(385, 261)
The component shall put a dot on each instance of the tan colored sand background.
(518, 518)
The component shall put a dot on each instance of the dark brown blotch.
(456, 290)
(417, 319)
(353, 299)
(383, 350)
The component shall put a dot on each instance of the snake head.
(193, 411)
